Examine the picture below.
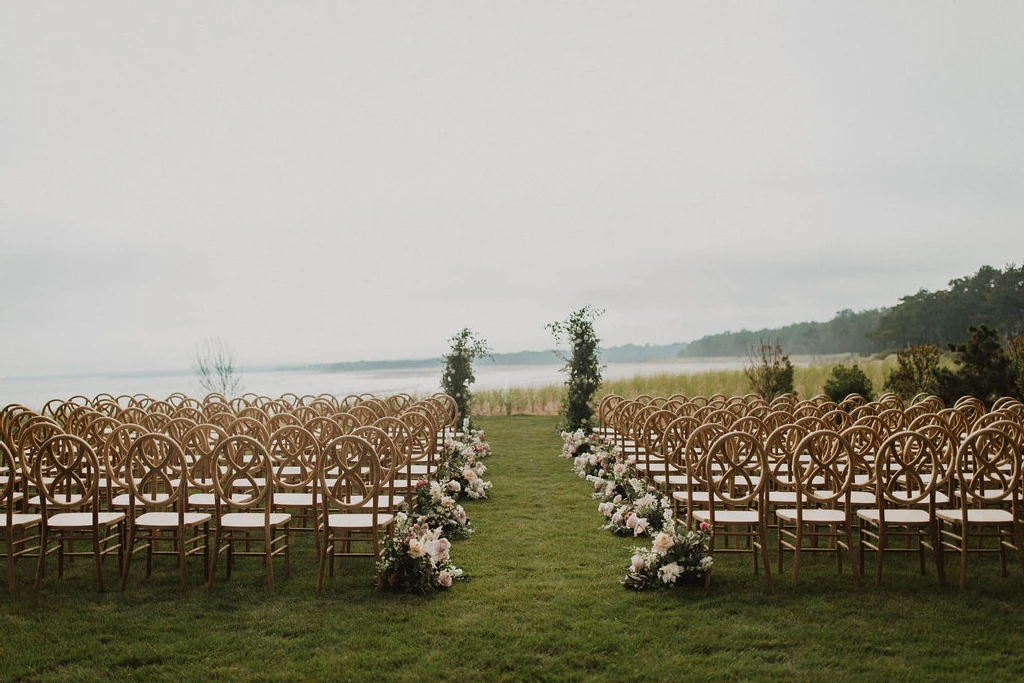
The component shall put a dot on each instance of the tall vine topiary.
(466, 347)
(583, 367)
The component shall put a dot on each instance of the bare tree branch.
(216, 368)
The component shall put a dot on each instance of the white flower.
(663, 542)
(606, 509)
(637, 563)
(617, 518)
(416, 548)
(445, 578)
(454, 486)
(641, 525)
(705, 563)
(670, 572)
(631, 521)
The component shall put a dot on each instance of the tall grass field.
(808, 379)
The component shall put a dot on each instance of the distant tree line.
(990, 297)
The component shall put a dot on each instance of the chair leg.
(212, 572)
(940, 563)
(99, 557)
(127, 563)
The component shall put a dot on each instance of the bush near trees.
(466, 347)
(916, 371)
(983, 368)
(217, 369)
(770, 371)
(845, 380)
(583, 367)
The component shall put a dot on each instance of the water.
(35, 392)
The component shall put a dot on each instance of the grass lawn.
(543, 603)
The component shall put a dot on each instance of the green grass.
(543, 603)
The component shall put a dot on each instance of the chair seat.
(164, 520)
(728, 516)
(343, 520)
(20, 519)
(36, 501)
(293, 500)
(696, 496)
(252, 520)
(124, 500)
(83, 520)
(210, 499)
(673, 479)
(814, 516)
(896, 516)
(976, 516)
(382, 502)
(782, 497)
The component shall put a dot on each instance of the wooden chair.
(824, 467)
(348, 484)
(243, 480)
(21, 529)
(294, 452)
(987, 495)
(70, 504)
(908, 472)
(157, 477)
(735, 470)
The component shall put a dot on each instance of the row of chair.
(815, 483)
(147, 489)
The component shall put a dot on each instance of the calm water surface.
(34, 392)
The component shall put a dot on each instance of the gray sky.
(326, 181)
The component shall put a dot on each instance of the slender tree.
(217, 368)
(466, 347)
(583, 367)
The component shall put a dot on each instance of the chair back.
(348, 475)
(242, 475)
(67, 473)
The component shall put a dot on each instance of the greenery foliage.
(583, 367)
(983, 368)
(848, 379)
(916, 371)
(466, 347)
(770, 371)
(990, 297)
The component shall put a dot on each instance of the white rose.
(445, 579)
(637, 563)
(416, 548)
(640, 526)
(663, 542)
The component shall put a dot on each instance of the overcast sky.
(329, 181)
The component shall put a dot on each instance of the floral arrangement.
(674, 558)
(416, 559)
(641, 511)
(463, 471)
(591, 454)
(437, 509)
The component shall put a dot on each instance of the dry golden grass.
(808, 379)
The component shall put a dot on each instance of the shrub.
(1015, 352)
(916, 373)
(984, 369)
(844, 380)
(583, 367)
(770, 372)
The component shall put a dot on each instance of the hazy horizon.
(321, 182)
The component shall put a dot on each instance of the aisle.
(542, 536)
